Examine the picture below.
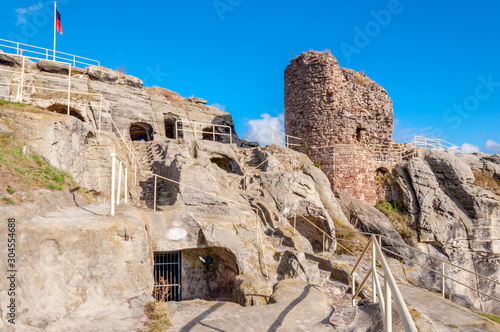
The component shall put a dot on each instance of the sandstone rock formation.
(265, 216)
(457, 222)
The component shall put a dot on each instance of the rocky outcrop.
(457, 221)
(75, 264)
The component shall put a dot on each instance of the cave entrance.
(208, 274)
(141, 131)
(200, 273)
(167, 275)
(63, 109)
(170, 122)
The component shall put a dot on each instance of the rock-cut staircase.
(149, 157)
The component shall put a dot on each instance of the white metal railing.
(436, 144)
(280, 138)
(201, 131)
(391, 289)
(441, 273)
(122, 168)
(443, 262)
(40, 53)
(22, 85)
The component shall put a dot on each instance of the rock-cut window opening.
(170, 128)
(208, 133)
(140, 131)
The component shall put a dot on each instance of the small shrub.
(122, 71)
(317, 164)
(10, 190)
(399, 220)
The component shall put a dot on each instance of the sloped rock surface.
(457, 221)
(79, 267)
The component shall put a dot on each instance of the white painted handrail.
(122, 168)
(391, 288)
(276, 139)
(196, 131)
(40, 53)
(436, 144)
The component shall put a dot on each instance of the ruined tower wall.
(340, 115)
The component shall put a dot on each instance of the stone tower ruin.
(342, 117)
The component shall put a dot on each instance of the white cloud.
(469, 148)
(219, 106)
(260, 129)
(491, 146)
(22, 12)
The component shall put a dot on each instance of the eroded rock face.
(77, 263)
(458, 221)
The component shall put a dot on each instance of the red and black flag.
(58, 22)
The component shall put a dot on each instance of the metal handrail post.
(294, 222)
(442, 280)
(119, 183)
(213, 132)
(22, 82)
(374, 268)
(353, 288)
(388, 305)
(69, 87)
(113, 160)
(126, 184)
(154, 199)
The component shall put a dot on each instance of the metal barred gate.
(167, 274)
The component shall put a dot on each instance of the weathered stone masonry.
(340, 114)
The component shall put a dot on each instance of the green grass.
(158, 316)
(399, 220)
(8, 201)
(492, 317)
(11, 103)
(24, 172)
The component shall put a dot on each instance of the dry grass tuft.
(362, 79)
(347, 241)
(487, 182)
(168, 94)
(159, 317)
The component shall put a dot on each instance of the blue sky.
(439, 61)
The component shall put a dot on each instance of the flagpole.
(55, 20)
